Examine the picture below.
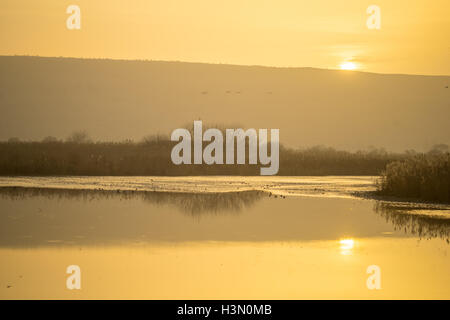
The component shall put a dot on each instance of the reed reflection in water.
(422, 221)
(190, 203)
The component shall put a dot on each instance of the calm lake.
(217, 238)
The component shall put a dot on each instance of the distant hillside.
(114, 100)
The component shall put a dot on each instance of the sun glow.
(346, 246)
(348, 65)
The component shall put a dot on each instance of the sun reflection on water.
(346, 246)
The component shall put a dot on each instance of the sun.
(348, 65)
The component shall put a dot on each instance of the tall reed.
(424, 176)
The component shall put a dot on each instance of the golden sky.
(414, 37)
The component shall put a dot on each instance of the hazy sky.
(414, 37)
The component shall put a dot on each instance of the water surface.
(217, 237)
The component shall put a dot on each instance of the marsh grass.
(424, 177)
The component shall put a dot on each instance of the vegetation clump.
(423, 177)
